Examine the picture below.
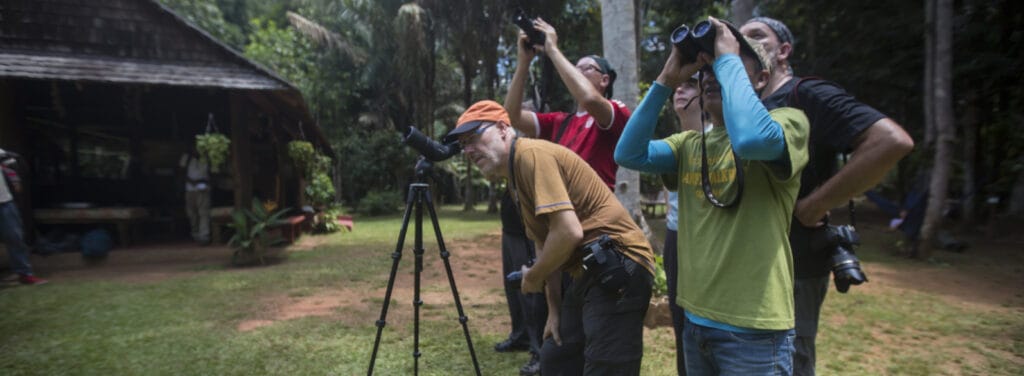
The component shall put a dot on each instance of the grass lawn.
(189, 324)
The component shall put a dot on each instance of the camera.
(842, 260)
(525, 23)
(430, 149)
(692, 41)
(605, 263)
(515, 279)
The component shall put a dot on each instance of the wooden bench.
(292, 227)
(124, 218)
(346, 220)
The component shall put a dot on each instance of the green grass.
(188, 325)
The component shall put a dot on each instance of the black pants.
(527, 311)
(671, 259)
(602, 331)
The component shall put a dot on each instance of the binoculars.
(693, 41)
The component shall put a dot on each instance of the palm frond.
(325, 37)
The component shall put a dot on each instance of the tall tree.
(619, 36)
(942, 102)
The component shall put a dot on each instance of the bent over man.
(595, 320)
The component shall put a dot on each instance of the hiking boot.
(532, 367)
(509, 346)
(28, 279)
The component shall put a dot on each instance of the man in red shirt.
(594, 129)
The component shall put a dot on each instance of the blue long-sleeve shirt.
(753, 133)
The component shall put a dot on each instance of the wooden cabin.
(102, 98)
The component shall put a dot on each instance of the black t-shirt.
(510, 221)
(837, 118)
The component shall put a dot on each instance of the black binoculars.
(693, 41)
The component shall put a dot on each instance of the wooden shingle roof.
(119, 41)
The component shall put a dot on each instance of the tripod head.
(424, 169)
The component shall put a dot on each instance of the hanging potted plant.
(212, 146)
(303, 155)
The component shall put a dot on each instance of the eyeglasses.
(475, 136)
(585, 68)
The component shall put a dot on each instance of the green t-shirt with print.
(735, 264)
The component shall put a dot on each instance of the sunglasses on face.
(475, 136)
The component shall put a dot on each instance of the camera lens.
(846, 269)
(679, 34)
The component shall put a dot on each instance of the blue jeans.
(14, 240)
(711, 351)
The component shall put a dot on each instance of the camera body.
(525, 23)
(841, 240)
(692, 41)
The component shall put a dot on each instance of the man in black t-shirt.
(839, 124)
(527, 311)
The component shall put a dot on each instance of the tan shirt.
(550, 178)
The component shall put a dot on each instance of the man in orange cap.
(596, 325)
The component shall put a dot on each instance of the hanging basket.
(303, 155)
(213, 147)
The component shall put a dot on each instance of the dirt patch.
(475, 266)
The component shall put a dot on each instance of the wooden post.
(241, 151)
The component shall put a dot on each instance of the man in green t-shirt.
(737, 185)
(595, 320)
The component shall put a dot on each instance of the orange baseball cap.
(478, 114)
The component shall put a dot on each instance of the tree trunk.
(970, 162)
(1016, 207)
(929, 71)
(468, 73)
(740, 11)
(619, 34)
(944, 131)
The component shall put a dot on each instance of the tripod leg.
(451, 280)
(396, 257)
(417, 302)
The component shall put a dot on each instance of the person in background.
(839, 124)
(197, 195)
(10, 223)
(684, 103)
(592, 131)
(527, 311)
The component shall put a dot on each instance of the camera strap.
(532, 253)
(705, 179)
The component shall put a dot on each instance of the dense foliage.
(369, 69)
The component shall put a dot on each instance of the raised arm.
(521, 120)
(753, 132)
(636, 150)
(582, 91)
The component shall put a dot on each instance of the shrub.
(252, 236)
(380, 202)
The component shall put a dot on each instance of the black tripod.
(419, 195)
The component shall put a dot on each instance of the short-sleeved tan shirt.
(550, 178)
